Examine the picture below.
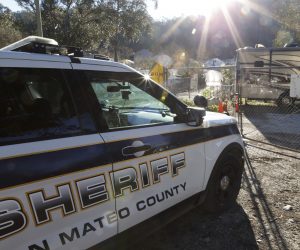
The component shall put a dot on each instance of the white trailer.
(269, 74)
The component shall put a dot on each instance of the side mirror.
(200, 101)
(195, 116)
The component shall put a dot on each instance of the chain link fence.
(269, 121)
(262, 90)
(260, 99)
(217, 84)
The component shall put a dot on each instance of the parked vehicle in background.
(269, 74)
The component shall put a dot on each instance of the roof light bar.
(30, 39)
(41, 45)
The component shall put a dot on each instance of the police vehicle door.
(53, 177)
(158, 160)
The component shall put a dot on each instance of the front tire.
(224, 183)
(284, 100)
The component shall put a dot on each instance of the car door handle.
(131, 150)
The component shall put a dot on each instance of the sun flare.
(207, 8)
(177, 8)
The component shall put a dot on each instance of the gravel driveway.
(266, 216)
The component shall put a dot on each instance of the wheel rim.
(225, 182)
(286, 100)
(227, 185)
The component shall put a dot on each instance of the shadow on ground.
(195, 230)
(268, 231)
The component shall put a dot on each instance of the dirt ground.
(261, 219)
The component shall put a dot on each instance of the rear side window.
(35, 104)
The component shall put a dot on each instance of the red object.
(220, 109)
(236, 103)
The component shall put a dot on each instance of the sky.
(166, 8)
(10, 4)
(171, 8)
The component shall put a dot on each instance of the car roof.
(32, 56)
(108, 65)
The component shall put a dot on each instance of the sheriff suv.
(90, 148)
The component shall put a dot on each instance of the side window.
(127, 102)
(35, 104)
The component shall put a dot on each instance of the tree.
(282, 37)
(29, 5)
(93, 24)
(128, 20)
(70, 22)
(26, 22)
(8, 30)
(288, 15)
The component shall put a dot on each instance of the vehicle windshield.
(124, 95)
(128, 100)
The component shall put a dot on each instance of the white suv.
(90, 148)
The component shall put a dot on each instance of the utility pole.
(38, 18)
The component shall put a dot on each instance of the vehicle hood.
(213, 119)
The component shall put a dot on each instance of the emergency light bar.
(30, 39)
(41, 45)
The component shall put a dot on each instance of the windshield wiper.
(167, 113)
(145, 108)
(163, 111)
